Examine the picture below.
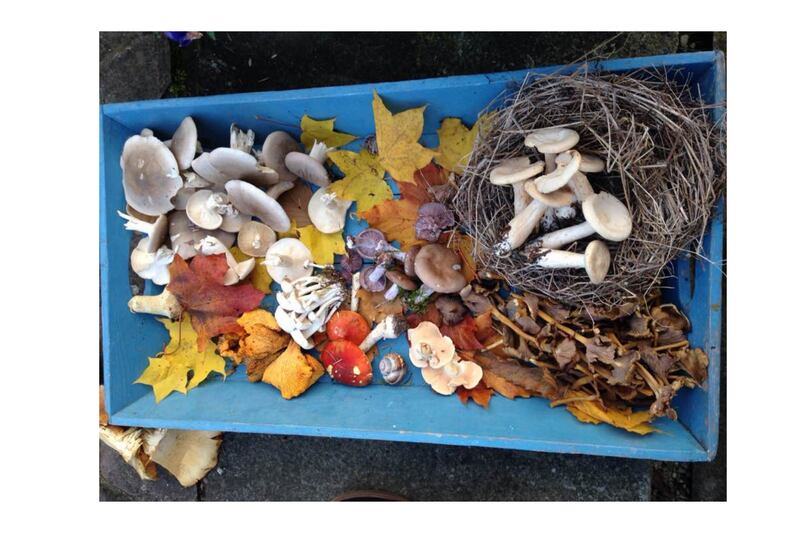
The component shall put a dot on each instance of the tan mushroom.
(276, 147)
(522, 225)
(237, 165)
(605, 215)
(184, 143)
(516, 172)
(551, 141)
(251, 200)
(255, 238)
(327, 211)
(310, 167)
(596, 260)
(150, 175)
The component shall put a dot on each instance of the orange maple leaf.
(479, 394)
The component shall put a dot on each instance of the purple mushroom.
(371, 282)
(369, 243)
(350, 264)
(432, 218)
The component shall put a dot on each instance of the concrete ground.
(136, 66)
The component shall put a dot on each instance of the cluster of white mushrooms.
(207, 201)
(553, 195)
(306, 304)
(435, 354)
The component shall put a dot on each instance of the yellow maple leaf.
(291, 232)
(363, 181)
(170, 371)
(397, 136)
(322, 245)
(397, 220)
(259, 277)
(322, 131)
(456, 141)
(590, 411)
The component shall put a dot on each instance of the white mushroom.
(184, 235)
(255, 238)
(242, 141)
(251, 200)
(596, 260)
(164, 304)
(236, 165)
(354, 292)
(522, 225)
(456, 373)
(306, 304)
(388, 328)
(274, 191)
(515, 172)
(287, 260)
(236, 271)
(578, 183)
(563, 173)
(428, 347)
(156, 232)
(193, 180)
(274, 151)
(209, 210)
(203, 167)
(310, 167)
(187, 454)
(153, 266)
(184, 143)
(604, 214)
(150, 175)
(327, 212)
(551, 141)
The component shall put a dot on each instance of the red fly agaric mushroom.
(515, 172)
(596, 260)
(310, 166)
(348, 325)
(522, 225)
(346, 363)
(251, 200)
(604, 214)
(552, 141)
(276, 147)
(439, 269)
(150, 175)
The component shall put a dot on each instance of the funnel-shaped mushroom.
(310, 167)
(604, 214)
(150, 175)
(276, 147)
(287, 260)
(255, 239)
(516, 172)
(456, 373)
(327, 211)
(238, 165)
(596, 260)
(428, 347)
(184, 143)
(552, 141)
(251, 200)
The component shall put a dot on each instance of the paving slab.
(273, 467)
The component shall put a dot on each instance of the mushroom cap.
(251, 200)
(203, 167)
(141, 216)
(299, 257)
(234, 222)
(561, 175)
(608, 216)
(238, 165)
(255, 238)
(273, 153)
(181, 200)
(327, 211)
(591, 163)
(153, 266)
(447, 379)
(401, 280)
(150, 175)
(438, 380)
(434, 265)
(307, 168)
(552, 140)
(184, 143)
(184, 235)
(429, 348)
(515, 170)
(558, 198)
(200, 212)
(411, 256)
(598, 261)
(275, 191)
(368, 284)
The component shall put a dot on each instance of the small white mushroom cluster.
(307, 303)
(552, 195)
(206, 202)
(436, 355)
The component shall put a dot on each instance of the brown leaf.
(295, 203)
(420, 192)
(668, 316)
(623, 369)
(430, 314)
(463, 334)
(565, 352)
(600, 348)
(528, 325)
(374, 307)
(559, 312)
(695, 362)
(475, 302)
(658, 363)
(670, 336)
(533, 303)
(536, 381)
(638, 327)
(484, 327)
(479, 394)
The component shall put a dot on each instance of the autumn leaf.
(419, 190)
(259, 277)
(456, 141)
(591, 411)
(430, 314)
(397, 136)
(170, 371)
(396, 219)
(374, 307)
(322, 131)
(214, 307)
(463, 245)
(463, 334)
(480, 394)
(322, 245)
(295, 203)
(497, 370)
(363, 182)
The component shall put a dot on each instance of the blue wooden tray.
(412, 412)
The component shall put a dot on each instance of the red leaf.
(431, 314)
(483, 326)
(463, 334)
(214, 307)
(418, 193)
(480, 394)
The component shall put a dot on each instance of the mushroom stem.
(277, 260)
(571, 332)
(377, 273)
(354, 291)
(580, 186)
(520, 227)
(392, 292)
(388, 328)
(319, 151)
(164, 304)
(549, 163)
(557, 239)
(424, 293)
(521, 198)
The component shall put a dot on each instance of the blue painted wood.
(411, 412)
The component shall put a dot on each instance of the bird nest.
(664, 160)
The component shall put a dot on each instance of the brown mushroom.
(439, 269)
(399, 281)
